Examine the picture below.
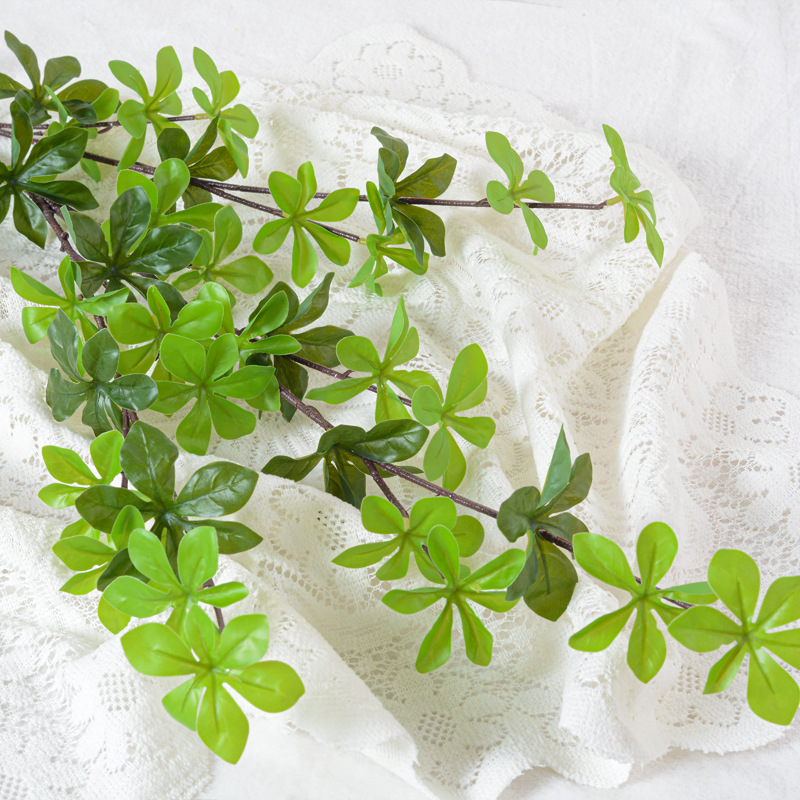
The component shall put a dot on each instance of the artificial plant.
(143, 319)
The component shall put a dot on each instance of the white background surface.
(711, 87)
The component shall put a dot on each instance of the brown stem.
(339, 375)
(209, 187)
(383, 486)
(413, 201)
(111, 123)
(49, 215)
(217, 611)
(309, 411)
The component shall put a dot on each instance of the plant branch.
(413, 201)
(314, 415)
(339, 375)
(220, 190)
(383, 486)
(113, 123)
(49, 214)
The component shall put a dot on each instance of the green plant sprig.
(546, 535)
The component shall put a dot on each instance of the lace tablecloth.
(637, 363)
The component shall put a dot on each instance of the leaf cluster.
(148, 460)
(52, 91)
(248, 273)
(79, 309)
(384, 247)
(215, 659)
(409, 536)
(146, 326)
(466, 389)
(33, 171)
(230, 120)
(418, 225)
(772, 692)
(458, 587)
(133, 254)
(637, 205)
(536, 187)
(656, 549)
(342, 450)
(166, 588)
(206, 378)
(358, 354)
(104, 394)
(292, 196)
(547, 580)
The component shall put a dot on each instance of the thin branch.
(309, 411)
(114, 162)
(63, 237)
(383, 486)
(339, 375)
(413, 201)
(113, 123)
(217, 611)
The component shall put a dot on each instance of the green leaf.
(82, 553)
(183, 702)
(28, 220)
(168, 73)
(514, 515)
(435, 648)
(393, 144)
(359, 354)
(444, 553)
(558, 474)
(233, 537)
(477, 640)
(216, 489)
(148, 556)
(391, 441)
(656, 549)
(294, 469)
(703, 629)
(380, 516)
(437, 455)
(504, 156)
(155, 649)
(67, 466)
(243, 642)
(25, 56)
(221, 724)
(771, 692)
(721, 675)
(734, 577)
(468, 373)
(550, 593)
(364, 555)
(647, 649)
(604, 560)
(430, 180)
(599, 633)
(198, 556)
(270, 685)
(535, 227)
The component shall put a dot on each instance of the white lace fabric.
(637, 363)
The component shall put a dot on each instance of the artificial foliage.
(143, 318)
